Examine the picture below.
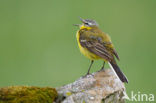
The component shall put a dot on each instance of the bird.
(97, 45)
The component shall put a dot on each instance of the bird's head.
(87, 23)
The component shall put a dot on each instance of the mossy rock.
(25, 94)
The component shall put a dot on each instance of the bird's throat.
(85, 27)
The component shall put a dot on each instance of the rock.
(103, 86)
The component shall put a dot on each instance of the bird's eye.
(87, 23)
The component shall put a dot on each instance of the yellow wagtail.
(95, 44)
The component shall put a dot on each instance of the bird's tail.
(118, 72)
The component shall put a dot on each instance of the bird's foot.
(102, 69)
(87, 75)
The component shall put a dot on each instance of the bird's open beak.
(82, 20)
(77, 25)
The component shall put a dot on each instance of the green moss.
(24, 94)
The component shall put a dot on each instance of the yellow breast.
(85, 51)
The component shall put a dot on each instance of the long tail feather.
(118, 72)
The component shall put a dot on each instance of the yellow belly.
(85, 51)
(88, 54)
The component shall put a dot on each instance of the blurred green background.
(38, 41)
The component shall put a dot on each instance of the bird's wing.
(108, 44)
(116, 54)
(94, 44)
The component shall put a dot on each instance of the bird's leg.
(92, 61)
(103, 66)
